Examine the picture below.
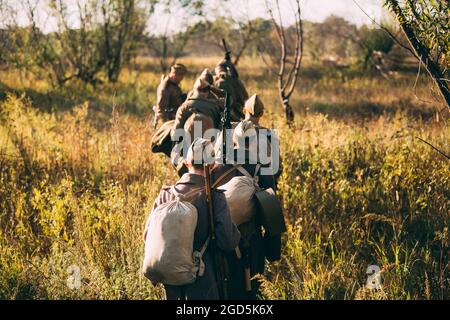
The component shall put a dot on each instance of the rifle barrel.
(207, 172)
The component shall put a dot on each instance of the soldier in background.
(201, 100)
(169, 94)
(224, 81)
(227, 78)
(203, 106)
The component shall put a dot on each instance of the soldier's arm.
(227, 234)
(163, 97)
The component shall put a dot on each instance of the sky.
(312, 10)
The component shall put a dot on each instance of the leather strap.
(204, 246)
(223, 176)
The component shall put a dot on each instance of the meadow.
(77, 181)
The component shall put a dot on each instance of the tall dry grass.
(77, 180)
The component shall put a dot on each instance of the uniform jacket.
(227, 235)
(169, 98)
(209, 107)
(225, 82)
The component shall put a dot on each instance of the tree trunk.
(423, 53)
(288, 112)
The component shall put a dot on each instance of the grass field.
(77, 180)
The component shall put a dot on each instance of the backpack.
(169, 256)
(239, 192)
(161, 140)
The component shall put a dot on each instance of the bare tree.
(169, 48)
(169, 45)
(424, 24)
(238, 33)
(92, 40)
(288, 72)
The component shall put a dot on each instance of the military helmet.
(254, 106)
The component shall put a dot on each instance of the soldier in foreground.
(169, 94)
(214, 232)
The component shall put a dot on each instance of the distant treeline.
(335, 42)
(94, 40)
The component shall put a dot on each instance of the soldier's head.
(221, 68)
(200, 152)
(177, 72)
(254, 109)
(203, 83)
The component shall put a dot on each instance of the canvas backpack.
(239, 193)
(169, 257)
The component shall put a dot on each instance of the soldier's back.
(169, 98)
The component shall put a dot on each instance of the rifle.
(226, 124)
(231, 67)
(218, 257)
(227, 51)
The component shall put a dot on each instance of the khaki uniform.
(169, 98)
(239, 88)
(231, 86)
(255, 107)
(208, 111)
(269, 141)
(209, 107)
(227, 236)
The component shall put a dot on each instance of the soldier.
(253, 112)
(201, 100)
(169, 94)
(224, 81)
(202, 107)
(227, 79)
(255, 245)
(227, 234)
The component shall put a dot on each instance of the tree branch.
(439, 151)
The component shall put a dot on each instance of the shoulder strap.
(186, 195)
(223, 176)
(204, 246)
(244, 172)
(255, 177)
(198, 258)
(258, 167)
